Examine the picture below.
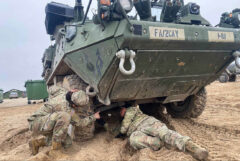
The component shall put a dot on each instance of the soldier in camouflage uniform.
(147, 132)
(55, 118)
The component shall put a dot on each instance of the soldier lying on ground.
(55, 117)
(147, 132)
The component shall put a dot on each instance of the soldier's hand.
(97, 115)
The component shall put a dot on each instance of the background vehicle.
(13, 94)
(230, 74)
(124, 60)
(1, 95)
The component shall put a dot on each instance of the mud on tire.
(192, 107)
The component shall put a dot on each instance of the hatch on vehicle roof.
(57, 14)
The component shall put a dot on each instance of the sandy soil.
(13, 102)
(217, 129)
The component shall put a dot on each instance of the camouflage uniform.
(55, 116)
(146, 131)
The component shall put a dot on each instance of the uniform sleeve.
(128, 119)
(82, 122)
(42, 111)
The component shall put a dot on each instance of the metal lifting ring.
(90, 91)
(121, 55)
(236, 54)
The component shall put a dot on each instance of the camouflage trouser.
(80, 133)
(55, 125)
(153, 134)
(140, 140)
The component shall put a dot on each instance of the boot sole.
(202, 155)
(31, 146)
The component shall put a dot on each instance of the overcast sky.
(23, 37)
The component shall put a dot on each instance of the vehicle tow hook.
(122, 55)
(90, 91)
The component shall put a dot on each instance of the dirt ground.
(13, 102)
(217, 129)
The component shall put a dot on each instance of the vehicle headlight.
(126, 4)
(194, 8)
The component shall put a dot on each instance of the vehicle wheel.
(233, 78)
(45, 100)
(29, 102)
(224, 78)
(192, 107)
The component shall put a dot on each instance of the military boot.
(196, 151)
(56, 149)
(56, 145)
(35, 144)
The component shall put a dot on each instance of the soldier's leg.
(156, 128)
(170, 137)
(36, 143)
(181, 142)
(139, 140)
(38, 140)
(58, 123)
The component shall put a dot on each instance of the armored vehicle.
(47, 61)
(1, 95)
(165, 55)
(13, 94)
(230, 20)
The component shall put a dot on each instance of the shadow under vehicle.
(166, 59)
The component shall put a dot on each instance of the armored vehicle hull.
(172, 61)
(124, 60)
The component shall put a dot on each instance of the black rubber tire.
(151, 109)
(192, 107)
(29, 102)
(224, 78)
(233, 78)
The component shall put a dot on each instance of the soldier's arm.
(86, 121)
(82, 122)
(128, 118)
